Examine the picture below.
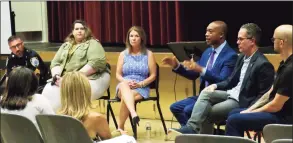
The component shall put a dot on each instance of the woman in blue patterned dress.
(136, 69)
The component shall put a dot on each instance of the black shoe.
(135, 120)
(219, 132)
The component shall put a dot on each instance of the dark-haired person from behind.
(20, 95)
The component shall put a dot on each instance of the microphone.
(54, 79)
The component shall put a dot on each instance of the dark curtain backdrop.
(165, 21)
(60, 17)
(110, 21)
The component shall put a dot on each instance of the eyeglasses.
(241, 39)
(17, 45)
(273, 39)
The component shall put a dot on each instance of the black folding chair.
(2, 87)
(107, 97)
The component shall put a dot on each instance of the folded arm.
(275, 105)
(262, 101)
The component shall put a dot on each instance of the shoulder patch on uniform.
(34, 61)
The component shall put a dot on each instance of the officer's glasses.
(17, 45)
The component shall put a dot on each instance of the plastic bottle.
(148, 129)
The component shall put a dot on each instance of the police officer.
(21, 56)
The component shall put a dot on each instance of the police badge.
(34, 61)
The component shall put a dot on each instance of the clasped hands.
(133, 84)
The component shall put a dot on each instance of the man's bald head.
(284, 32)
(222, 27)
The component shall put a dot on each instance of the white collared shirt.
(218, 51)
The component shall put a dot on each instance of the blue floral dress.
(135, 67)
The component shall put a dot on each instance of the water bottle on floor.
(148, 129)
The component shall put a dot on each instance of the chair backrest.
(272, 132)
(18, 129)
(3, 79)
(62, 129)
(108, 66)
(48, 74)
(1, 140)
(155, 83)
(201, 138)
(282, 141)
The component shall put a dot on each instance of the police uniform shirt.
(30, 59)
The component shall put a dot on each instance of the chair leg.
(215, 131)
(133, 126)
(108, 111)
(162, 118)
(112, 114)
(259, 137)
(248, 134)
(218, 130)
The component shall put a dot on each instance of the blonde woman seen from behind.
(76, 102)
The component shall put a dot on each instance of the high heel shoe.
(135, 120)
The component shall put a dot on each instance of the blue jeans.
(182, 109)
(238, 123)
